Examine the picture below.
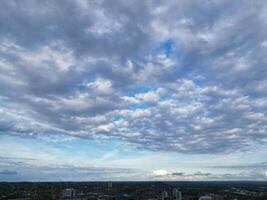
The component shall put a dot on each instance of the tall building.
(164, 195)
(205, 198)
(123, 197)
(177, 195)
(69, 192)
(211, 197)
(109, 185)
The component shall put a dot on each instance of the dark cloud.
(178, 174)
(93, 69)
(202, 174)
(8, 172)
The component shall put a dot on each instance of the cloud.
(25, 169)
(164, 174)
(248, 175)
(177, 173)
(208, 176)
(160, 172)
(202, 174)
(185, 76)
(7, 172)
(251, 166)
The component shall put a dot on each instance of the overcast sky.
(133, 90)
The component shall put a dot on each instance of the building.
(109, 185)
(177, 195)
(211, 197)
(164, 195)
(205, 198)
(123, 197)
(69, 192)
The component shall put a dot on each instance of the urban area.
(133, 191)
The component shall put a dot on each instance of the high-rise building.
(211, 197)
(69, 192)
(205, 198)
(109, 185)
(164, 195)
(177, 195)
(123, 197)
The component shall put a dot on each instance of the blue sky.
(133, 90)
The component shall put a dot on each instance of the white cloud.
(106, 71)
(160, 172)
(104, 86)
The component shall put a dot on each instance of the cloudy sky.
(133, 90)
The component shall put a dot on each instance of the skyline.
(133, 90)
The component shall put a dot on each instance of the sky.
(122, 90)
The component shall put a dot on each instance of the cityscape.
(134, 191)
(133, 100)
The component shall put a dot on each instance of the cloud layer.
(183, 76)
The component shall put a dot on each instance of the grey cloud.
(253, 166)
(98, 69)
(202, 174)
(243, 175)
(177, 174)
(8, 172)
(78, 25)
(248, 175)
(27, 170)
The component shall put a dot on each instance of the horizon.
(159, 181)
(133, 91)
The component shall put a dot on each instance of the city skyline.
(133, 90)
